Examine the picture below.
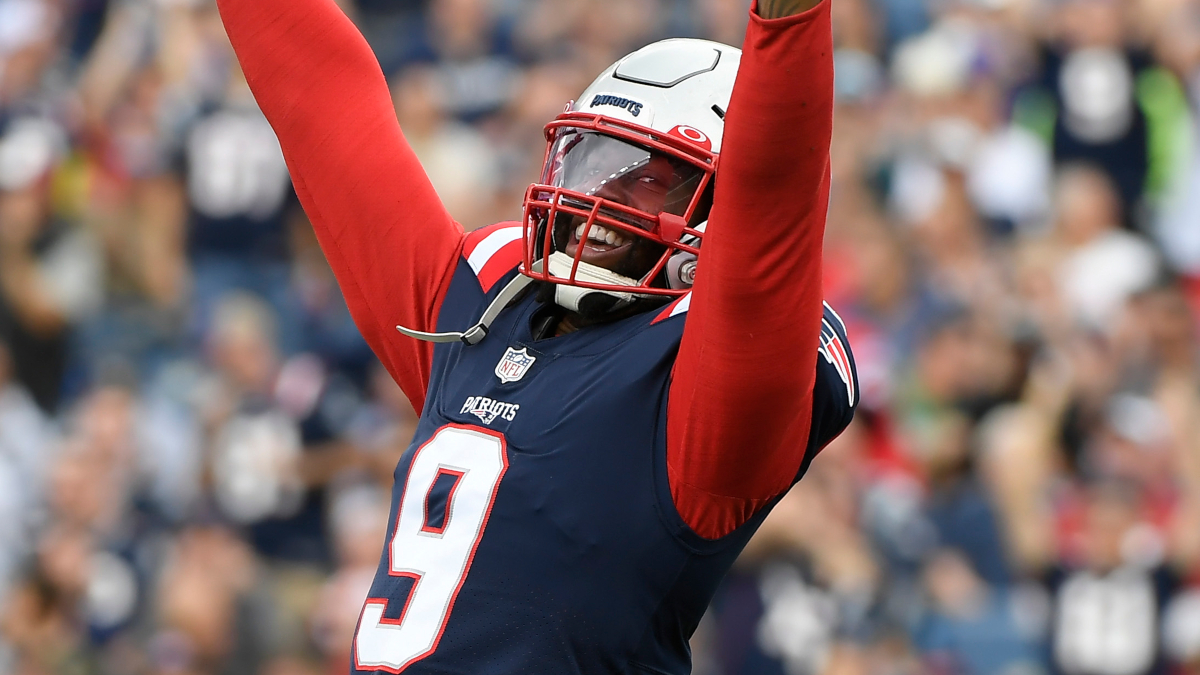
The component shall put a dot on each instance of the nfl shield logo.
(514, 365)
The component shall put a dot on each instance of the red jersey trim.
(493, 251)
(676, 308)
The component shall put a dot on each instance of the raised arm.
(386, 234)
(740, 408)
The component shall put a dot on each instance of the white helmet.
(630, 165)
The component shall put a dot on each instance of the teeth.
(600, 235)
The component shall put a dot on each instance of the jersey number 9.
(433, 548)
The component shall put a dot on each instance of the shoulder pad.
(493, 251)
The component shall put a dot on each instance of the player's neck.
(553, 321)
(569, 323)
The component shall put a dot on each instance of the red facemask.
(617, 196)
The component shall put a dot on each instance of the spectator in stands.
(460, 162)
(1102, 265)
(51, 274)
(973, 627)
(359, 522)
(1094, 73)
(25, 436)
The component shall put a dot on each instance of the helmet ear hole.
(681, 270)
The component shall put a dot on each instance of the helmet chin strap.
(573, 297)
(475, 334)
(567, 297)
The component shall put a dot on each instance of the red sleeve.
(740, 405)
(382, 227)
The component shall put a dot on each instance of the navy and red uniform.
(569, 504)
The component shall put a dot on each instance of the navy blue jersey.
(532, 527)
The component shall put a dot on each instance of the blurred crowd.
(196, 446)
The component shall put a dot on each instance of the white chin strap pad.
(570, 297)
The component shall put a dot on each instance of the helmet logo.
(693, 135)
(632, 106)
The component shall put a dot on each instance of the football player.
(615, 390)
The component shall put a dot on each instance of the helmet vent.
(666, 64)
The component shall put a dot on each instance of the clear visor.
(609, 168)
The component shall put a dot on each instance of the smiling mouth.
(604, 247)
